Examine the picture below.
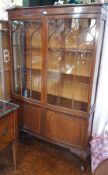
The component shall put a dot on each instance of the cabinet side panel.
(98, 59)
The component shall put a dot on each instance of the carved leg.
(81, 159)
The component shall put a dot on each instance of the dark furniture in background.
(56, 55)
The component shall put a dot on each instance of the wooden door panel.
(36, 120)
(31, 118)
(65, 128)
(27, 117)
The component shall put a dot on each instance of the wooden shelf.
(90, 51)
(77, 73)
(70, 64)
(66, 89)
(27, 46)
(34, 68)
(83, 70)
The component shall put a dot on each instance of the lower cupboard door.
(31, 118)
(66, 129)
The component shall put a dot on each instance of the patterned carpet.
(36, 157)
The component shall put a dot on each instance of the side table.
(8, 127)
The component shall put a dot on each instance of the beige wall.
(4, 4)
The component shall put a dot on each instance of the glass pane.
(70, 53)
(36, 85)
(26, 83)
(27, 45)
(33, 59)
(34, 33)
(68, 63)
(55, 28)
(18, 54)
(33, 56)
(17, 69)
(59, 65)
(53, 88)
(81, 92)
(78, 34)
(17, 82)
(54, 61)
(66, 91)
(17, 33)
(83, 64)
(86, 39)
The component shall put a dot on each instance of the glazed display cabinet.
(56, 54)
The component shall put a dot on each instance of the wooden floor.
(36, 157)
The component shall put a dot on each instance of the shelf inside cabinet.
(68, 89)
(90, 51)
(71, 64)
(27, 46)
(67, 103)
(34, 68)
(32, 47)
(70, 74)
(66, 93)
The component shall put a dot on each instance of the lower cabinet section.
(31, 118)
(64, 129)
(67, 129)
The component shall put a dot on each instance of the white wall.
(4, 4)
(101, 112)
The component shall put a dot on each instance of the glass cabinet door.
(27, 53)
(70, 61)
